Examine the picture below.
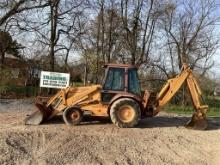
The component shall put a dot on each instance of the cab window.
(115, 79)
(133, 82)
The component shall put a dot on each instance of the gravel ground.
(158, 140)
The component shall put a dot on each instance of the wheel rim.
(126, 113)
(74, 115)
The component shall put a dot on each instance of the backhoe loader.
(119, 97)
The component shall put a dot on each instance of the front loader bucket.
(198, 121)
(35, 118)
(39, 116)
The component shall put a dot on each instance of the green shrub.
(188, 110)
(5, 76)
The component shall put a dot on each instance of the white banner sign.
(54, 79)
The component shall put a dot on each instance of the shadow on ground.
(158, 121)
(165, 121)
(87, 120)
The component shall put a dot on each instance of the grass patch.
(213, 101)
(76, 84)
(19, 91)
(188, 110)
(22, 90)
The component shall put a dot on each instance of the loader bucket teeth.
(35, 118)
(197, 122)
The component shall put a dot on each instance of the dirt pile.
(159, 140)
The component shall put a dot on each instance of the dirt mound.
(159, 140)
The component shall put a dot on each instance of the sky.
(215, 71)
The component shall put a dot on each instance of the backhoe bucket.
(40, 115)
(198, 121)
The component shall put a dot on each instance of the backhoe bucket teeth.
(197, 122)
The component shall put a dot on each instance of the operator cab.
(120, 79)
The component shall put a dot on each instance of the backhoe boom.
(171, 88)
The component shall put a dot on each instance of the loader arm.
(173, 85)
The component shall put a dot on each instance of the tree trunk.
(110, 36)
(2, 58)
(52, 57)
(103, 31)
(66, 59)
(53, 34)
(97, 50)
(85, 71)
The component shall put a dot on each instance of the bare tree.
(191, 32)
(54, 4)
(139, 21)
(13, 7)
(67, 18)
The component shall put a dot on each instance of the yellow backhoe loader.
(119, 98)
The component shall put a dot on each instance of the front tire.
(125, 113)
(72, 116)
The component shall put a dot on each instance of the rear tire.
(125, 113)
(72, 116)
